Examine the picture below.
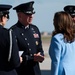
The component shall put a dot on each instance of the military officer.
(71, 10)
(28, 39)
(9, 56)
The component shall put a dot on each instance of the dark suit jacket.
(29, 41)
(7, 67)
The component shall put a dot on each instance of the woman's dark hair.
(63, 24)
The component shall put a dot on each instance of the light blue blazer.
(62, 55)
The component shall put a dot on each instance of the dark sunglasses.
(7, 16)
(72, 16)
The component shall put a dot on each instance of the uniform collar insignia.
(26, 26)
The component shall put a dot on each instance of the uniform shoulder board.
(32, 25)
(13, 27)
(5, 28)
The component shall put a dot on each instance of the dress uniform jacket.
(29, 41)
(7, 67)
(62, 55)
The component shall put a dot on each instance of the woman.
(62, 47)
(9, 58)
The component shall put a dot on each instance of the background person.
(28, 39)
(62, 47)
(7, 67)
(71, 10)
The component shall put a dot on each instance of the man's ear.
(19, 14)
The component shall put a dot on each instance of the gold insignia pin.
(36, 42)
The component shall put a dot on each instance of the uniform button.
(26, 57)
(15, 36)
(30, 54)
(22, 26)
(28, 43)
(34, 31)
(25, 38)
(29, 49)
(22, 34)
(16, 40)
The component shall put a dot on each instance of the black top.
(29, 41)
(7, 67)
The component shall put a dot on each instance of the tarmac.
(45, 66)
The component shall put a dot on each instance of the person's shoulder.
(58, 37)
(5, 30)
(32, 25)
(13, 27)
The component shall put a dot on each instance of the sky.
(45, 10)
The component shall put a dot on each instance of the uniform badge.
(36, 35)
(37, 43)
